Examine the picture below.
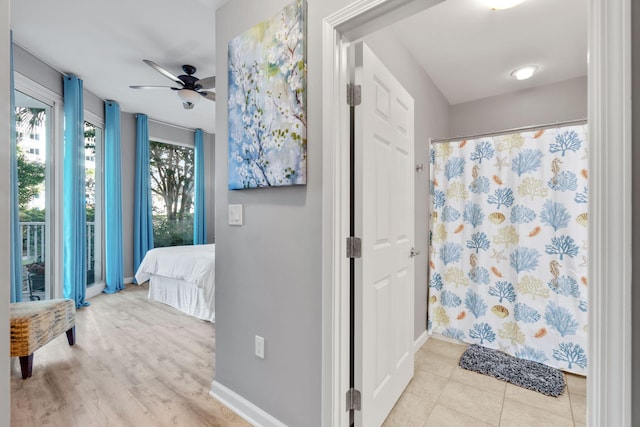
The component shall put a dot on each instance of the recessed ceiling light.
(525, 72)
(501, 4)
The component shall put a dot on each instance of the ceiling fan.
(189, 87)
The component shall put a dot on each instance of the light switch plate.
(259, 347)
(235, 215)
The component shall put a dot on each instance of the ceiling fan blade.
(162, 71)
(188, 105)
(211, 96)
(154, 87)
(207, 83)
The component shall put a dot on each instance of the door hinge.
(354, 247)
(354, 94)
(353, 400)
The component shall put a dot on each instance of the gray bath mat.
(524, 373)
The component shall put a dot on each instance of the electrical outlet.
(259, 347)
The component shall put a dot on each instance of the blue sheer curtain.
(113, 199)
(199, 215)
(16, 235)
(74, 224)
(143, 225)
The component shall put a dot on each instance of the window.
(172, 193)
(39, 131)
(93, 144)
(33, 118)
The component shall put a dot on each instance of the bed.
(182, 277)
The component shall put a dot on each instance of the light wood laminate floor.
(441, 394)
(135, 363)
(141, 363)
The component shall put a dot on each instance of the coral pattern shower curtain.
(508, 267)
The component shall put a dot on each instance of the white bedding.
(182, 277)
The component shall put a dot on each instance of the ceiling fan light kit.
(190, 88)
(188, 95)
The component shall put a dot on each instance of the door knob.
(413, 253)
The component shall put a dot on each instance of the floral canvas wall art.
(267, 102)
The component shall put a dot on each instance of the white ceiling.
(466, 49)
(104, 42)
(469, 50)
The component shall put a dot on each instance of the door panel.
(384, 212)
(33, 142)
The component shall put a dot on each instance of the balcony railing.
(34, 243)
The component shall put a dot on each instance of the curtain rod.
(172, 125)
(506, 131)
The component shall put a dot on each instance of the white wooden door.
(384, 217)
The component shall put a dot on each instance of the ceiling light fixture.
(525, 72)
(501, 4)
(188, 95)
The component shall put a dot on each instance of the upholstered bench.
(35, 323)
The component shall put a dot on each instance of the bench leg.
(71, 336)
(26, 366)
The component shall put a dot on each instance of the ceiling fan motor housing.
(188, 79)
(189, 69)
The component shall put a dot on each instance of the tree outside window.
(172, 193)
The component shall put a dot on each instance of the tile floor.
(441, 394)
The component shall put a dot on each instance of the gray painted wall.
(635, 242)
(269, 271)
(93, 104)
(557, 102)
(166, 133)
(431, 118)
(5, 180)
(38, 71)
(33, 68)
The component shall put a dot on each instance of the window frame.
(53, 179)
(191, 145)
(97, 287)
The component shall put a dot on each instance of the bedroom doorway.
(609, 111)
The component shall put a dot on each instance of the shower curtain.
(508, 264)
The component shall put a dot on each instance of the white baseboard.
(94, 290)
(97, 289)
(241, 406)
(419, 342)
(448, 339)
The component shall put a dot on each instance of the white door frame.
(609, 372)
